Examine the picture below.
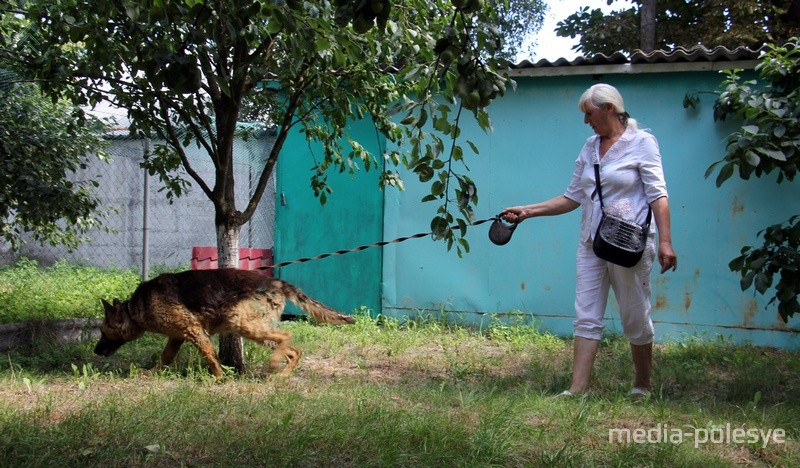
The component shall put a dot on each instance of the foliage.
(29, 292)
(517, 20)
(779, 256)
(768, 140)
(184, 69)
(43, 147)
(599, 33)
(709, 23)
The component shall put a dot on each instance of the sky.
(551, 47)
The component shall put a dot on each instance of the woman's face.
(599, 118)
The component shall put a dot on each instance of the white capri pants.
(631, 289)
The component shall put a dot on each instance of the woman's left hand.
(667, 257)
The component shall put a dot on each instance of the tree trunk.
(647, 27)
(231, 347)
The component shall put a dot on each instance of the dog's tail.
(320, 312)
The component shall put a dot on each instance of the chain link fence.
(143, 229)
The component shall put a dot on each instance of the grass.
(379, 393)
(383, 393)
(63, 291)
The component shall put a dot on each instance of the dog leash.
(495, 219)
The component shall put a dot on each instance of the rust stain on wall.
(661, 302)
(687, 300)
(522, 285)
(750, 311)
(780, 324)
(661, 281)
(737, 207)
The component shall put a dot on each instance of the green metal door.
(352, 216)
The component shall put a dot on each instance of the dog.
(195, 304)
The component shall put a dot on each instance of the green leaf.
(737, 263)
(425, 173)
(774, 154)
(274, 26)
(439, 227)
(724, 174)
(747, 280)
(743, 142)
(762, 282)
(322, 44)
(423, 118)
(751, 158)
(408, 120)
(437, 188)
(750, 129)
(758, 262)
(464, 244)
(711, 168)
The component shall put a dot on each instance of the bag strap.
(597, 183)
(600, 196)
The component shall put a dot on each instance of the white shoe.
(569, 394)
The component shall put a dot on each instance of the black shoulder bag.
(617, 240)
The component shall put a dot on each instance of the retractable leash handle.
(500, 232)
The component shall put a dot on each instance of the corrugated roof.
(677, 55)
(696, 54)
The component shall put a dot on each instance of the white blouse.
(630, 174)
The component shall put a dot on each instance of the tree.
(516, 21)
(683, 23)
(184, 69)
(43, 143)
(767, 142)
(647, 28)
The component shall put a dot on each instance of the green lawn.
(381, 393)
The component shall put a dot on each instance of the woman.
(631, 179)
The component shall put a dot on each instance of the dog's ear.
(112, 311)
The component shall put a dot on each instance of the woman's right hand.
(513, 214)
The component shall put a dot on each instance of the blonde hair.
(601, 94)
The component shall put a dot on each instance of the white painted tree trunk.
(228, 246)
(231, 347)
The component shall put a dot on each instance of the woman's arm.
(666, 255)
(552, 207)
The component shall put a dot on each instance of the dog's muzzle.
(106, 347)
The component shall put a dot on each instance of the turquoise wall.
(352, 216)
(529, 156)
(538, 132)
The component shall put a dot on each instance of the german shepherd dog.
(193, 305)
